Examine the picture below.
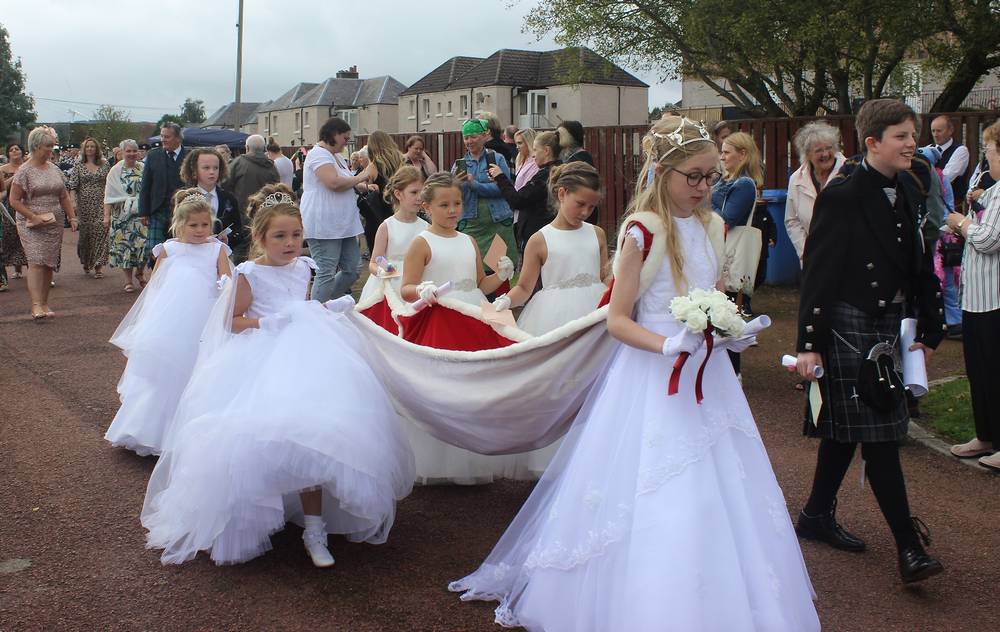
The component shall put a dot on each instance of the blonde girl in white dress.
(396, 233)
(283, 419)
(159, 335)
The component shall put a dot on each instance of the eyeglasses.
(694, 179)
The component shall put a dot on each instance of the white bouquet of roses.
(711, 313)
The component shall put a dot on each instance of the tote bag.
(743, 246)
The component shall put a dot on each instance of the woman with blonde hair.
(87, 180)
(387, 159)
(615, 528)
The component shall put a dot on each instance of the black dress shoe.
(914, 563)
(954, 332)
(825, 528)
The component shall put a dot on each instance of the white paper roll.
(441, 291)
(914, 367)
(791, 362)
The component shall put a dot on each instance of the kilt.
(844, 417)
(157, 232)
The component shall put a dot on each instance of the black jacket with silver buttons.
(864, 251)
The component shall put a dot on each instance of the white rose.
(697, 321)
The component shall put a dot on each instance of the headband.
(474, 127)
(676, 137)
(276, 198)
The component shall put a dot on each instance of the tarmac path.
(72, 553)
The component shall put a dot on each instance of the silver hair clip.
(194, 197)
(276, 198)
(676, 138)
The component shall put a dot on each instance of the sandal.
(991, 462)
(37, 313)
(3, 287)
(141, 279)
(971, 450)
(129, 288)
(98, 274)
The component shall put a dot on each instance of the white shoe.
(316, 548)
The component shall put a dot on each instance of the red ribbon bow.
(675, 375)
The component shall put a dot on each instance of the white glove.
(274, 323)
(427, 291)
(739, 344)
(505, 269)
(223, 281)
(340, 305)
(501, 303)
(686, 341)
(636, 234)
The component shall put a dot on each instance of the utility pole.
(239, 69)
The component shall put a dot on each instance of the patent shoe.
(914, 563)
(825, 528)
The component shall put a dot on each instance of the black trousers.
(981, 342)
(885, 475)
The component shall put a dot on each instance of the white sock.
(315, 524)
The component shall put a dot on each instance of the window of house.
(305, 121)
(427, 107)
(297, 122)
(463, 105)
(413, 105)
(274, 123)
(439, 108)
(449, 112)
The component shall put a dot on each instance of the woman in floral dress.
(11, 251)
(87, 179)
(121, 205)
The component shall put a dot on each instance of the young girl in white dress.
(570, 255)
(658, 513)
(441, 254)
(159, 335)
(283, 420)
(438, 255)
(396, 233)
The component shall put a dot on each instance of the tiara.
(276, 198)
(194, 197)
(676, 138)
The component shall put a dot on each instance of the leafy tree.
(17, 108)
(111, 126)
(193, 111)
(169, 118)
(779, 57)
(968, 48)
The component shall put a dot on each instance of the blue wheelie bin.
(783, 263)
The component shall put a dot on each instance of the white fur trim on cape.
(657, 250)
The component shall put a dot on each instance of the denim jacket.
(483, 187)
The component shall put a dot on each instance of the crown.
(276, 198)
(194, 197)
(676, 137)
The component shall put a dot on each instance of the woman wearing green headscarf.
(484, 211)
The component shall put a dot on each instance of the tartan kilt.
(157, 232)
(844, 417)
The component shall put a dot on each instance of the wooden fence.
(617, 151)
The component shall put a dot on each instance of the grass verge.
(947, 411)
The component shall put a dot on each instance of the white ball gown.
(159, 336)
(453, 259)
(657, 513)
(268, 414)
(571, 288)
(401, 235)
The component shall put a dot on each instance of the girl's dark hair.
(575, 130)
(572, 176)
(189, 166)
(333, 126)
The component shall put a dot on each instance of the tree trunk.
(962, 81)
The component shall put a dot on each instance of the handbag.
(878, 383)
(742, 255)
(951, 253)
(44, 219)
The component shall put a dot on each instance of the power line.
(117, 105)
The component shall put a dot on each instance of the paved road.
(72, 554)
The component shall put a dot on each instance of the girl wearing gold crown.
(159, 335)
(264, 433)
(657, 513)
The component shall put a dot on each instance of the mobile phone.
(460, 168)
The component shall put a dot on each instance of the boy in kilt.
(864, 270)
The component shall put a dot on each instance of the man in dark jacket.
(160, 179)
(864, 270)
(247, 175)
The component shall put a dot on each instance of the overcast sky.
(159, 52)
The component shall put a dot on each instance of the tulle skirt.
(159, 336)
(268, 415)
(656, 514)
